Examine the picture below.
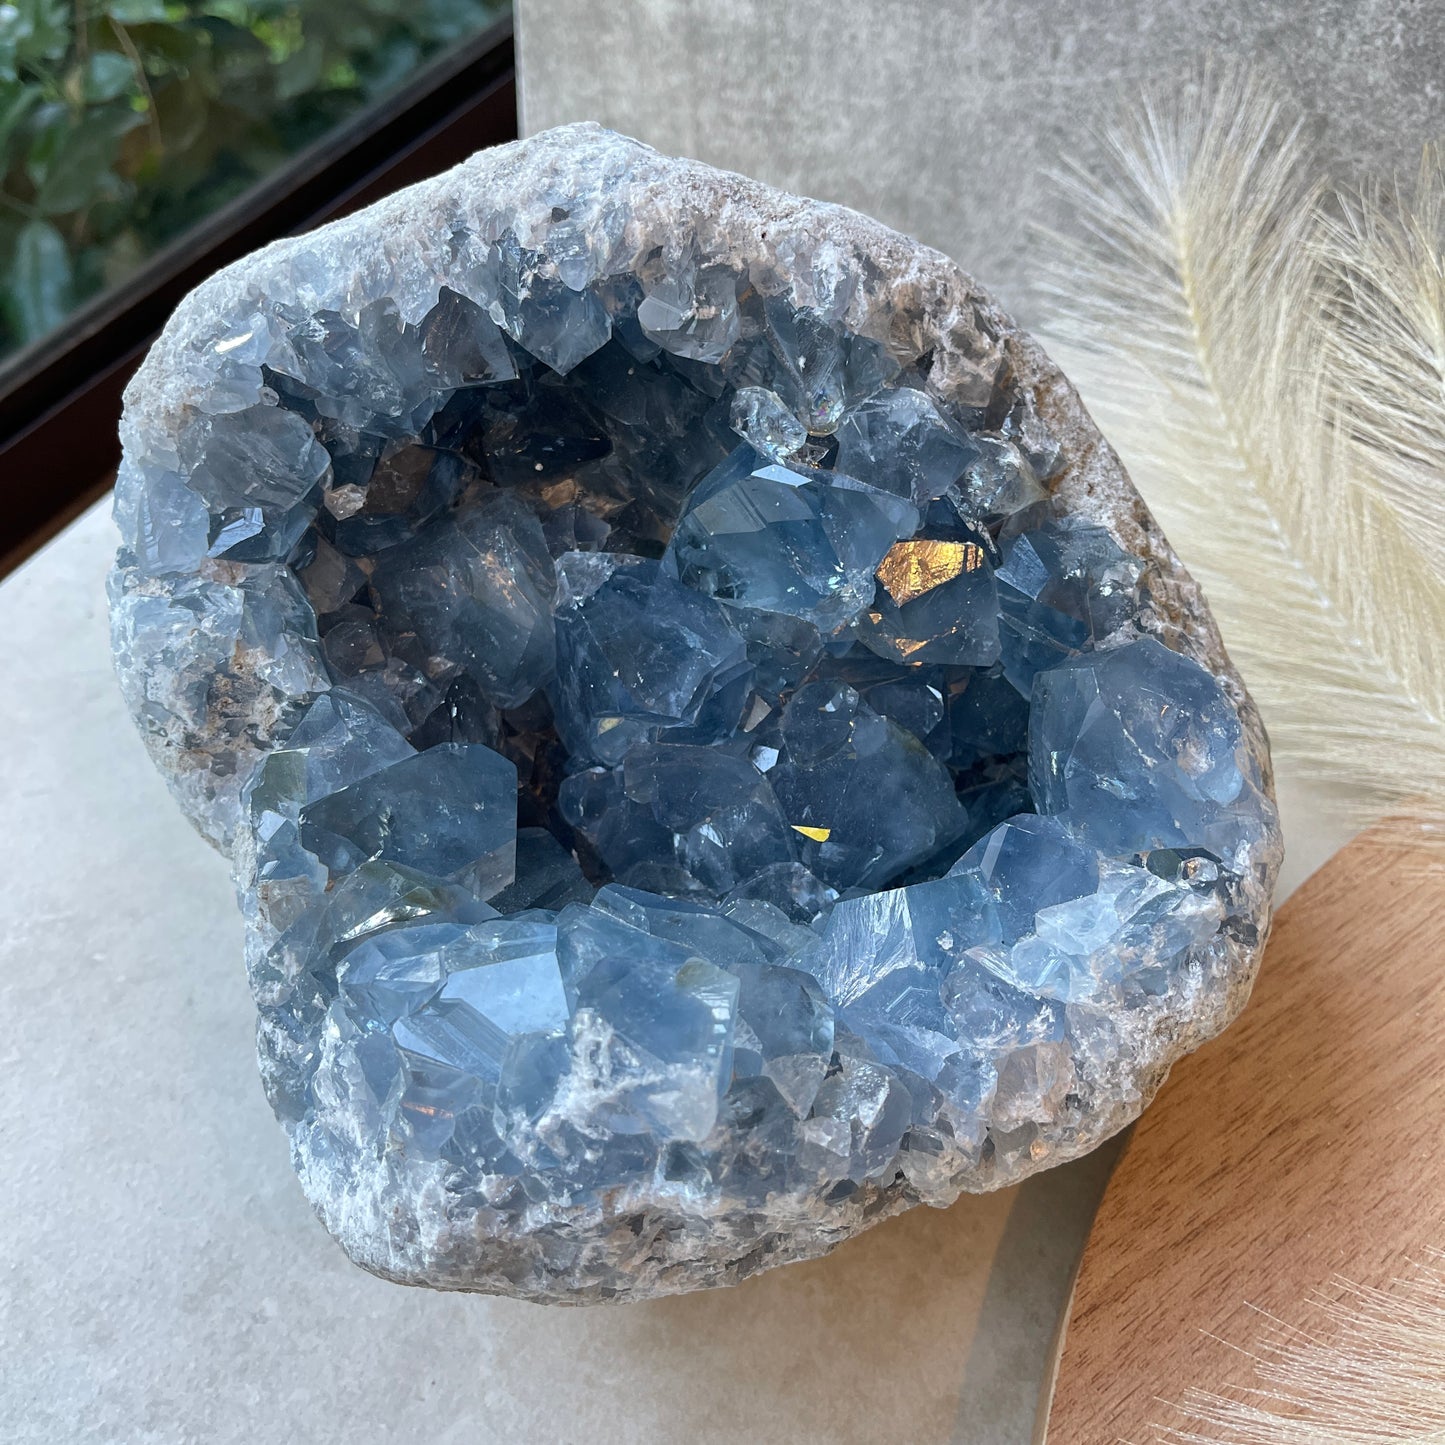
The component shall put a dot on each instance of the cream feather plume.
(1268, 357)
(1373, 1374)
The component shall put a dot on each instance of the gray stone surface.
(943, 117)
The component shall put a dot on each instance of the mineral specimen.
(713, 750)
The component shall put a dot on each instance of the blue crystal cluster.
(702, 764)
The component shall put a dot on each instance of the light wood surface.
(1306, 1144)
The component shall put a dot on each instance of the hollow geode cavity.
(713, 748)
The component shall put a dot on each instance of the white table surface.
(163, 1280)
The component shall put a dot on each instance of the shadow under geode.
(938, 1326)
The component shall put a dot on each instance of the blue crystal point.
(1139, 748)
(794, 540)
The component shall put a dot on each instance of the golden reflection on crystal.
(914, 567)
(559, 494)
(818, 835)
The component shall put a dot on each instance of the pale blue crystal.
(669, 1036)
(264, 457)
(789, 887)
(1061, 587)
(380, 894)
(857, 1123)
(997, 480)
(907, 1025)
(816, 367)
(862, 941)
(450, 811)
(1063, 921)
(800, 541)
(340, 740)
(510, 977)
(451, 999)
(900, 442)
(558, 324)
(765, 424)
(164, 526)
(1139, 747)
(694, 316)
(719, 808)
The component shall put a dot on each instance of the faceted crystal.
(937, 600)
(638, 655)
(901, 442)
(476, 597)
(761, 419)
(1139, 748)
(450, 811)
(786, 539)
(839, 758)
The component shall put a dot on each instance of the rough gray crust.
(622, 201)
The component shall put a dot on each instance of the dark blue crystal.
(775, 538)
(474, 596)
(839, 760)
(638, 654)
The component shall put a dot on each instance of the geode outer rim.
(399, 247)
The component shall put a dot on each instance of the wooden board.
(1306, 1143)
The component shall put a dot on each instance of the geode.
(713, 749)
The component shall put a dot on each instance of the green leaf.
(108, 76)
(135, 12)
(16, 102)
(79, 172)
(236, 12)
(46, 133)
(39, 280)
(230, 89)
(183, 110)
(35, 30)
(300, 72)
(169, 48)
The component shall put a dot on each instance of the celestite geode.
(713, 749)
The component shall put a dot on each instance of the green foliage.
(124, 121)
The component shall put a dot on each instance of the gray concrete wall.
(942, 117)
